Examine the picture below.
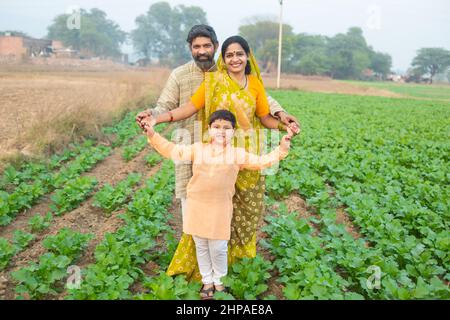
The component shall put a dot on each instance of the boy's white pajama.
(212, 259)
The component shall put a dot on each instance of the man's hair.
(202, 30)
(222, 115)
(244, 45)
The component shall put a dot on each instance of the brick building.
(21, 47)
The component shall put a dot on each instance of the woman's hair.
(222, 115)
(244, 45)
(202, 30)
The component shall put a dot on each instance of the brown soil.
(176, 222)
(343, 218)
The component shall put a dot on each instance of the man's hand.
(142, 115)
(288, 119)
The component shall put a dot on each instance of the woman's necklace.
(240, 87)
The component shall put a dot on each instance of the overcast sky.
(397, 27)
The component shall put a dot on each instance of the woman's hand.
(287, 118)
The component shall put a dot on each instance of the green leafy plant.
(111, 198)
(131, 150)
(247, 279)
(7, 251)
(73, 193)
(164, 287)
(21, 239)
(36, 280)
(152, 159)
(38, 223)
(68, 243)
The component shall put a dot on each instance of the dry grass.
(41, 112)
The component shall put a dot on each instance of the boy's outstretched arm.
(254, 162)
(167, 148)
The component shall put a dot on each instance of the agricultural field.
(374, 176)
(358, 210)
(45, 109)
(424, 91)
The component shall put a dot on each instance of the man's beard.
(206, 64)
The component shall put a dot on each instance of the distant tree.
(313, 63)
(308, 55)
(349, 54)
(380, 63)
(259, 32)
(14, 33)
(343, 56)
(431, 61)
(262, 36)
(161, 32)
(97, 35)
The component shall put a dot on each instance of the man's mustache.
(204, 56)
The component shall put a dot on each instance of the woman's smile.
(235, 58)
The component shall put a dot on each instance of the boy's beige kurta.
(211, 189)
(183, 82)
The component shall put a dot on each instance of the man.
(182, 84)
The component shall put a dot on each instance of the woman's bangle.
(281, 126)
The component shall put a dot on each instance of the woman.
(235, 86)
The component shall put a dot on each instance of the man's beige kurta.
(183, 82)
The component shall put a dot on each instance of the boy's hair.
(222, 115)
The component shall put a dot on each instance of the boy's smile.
(221, 131)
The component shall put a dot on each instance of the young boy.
(210, 191)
